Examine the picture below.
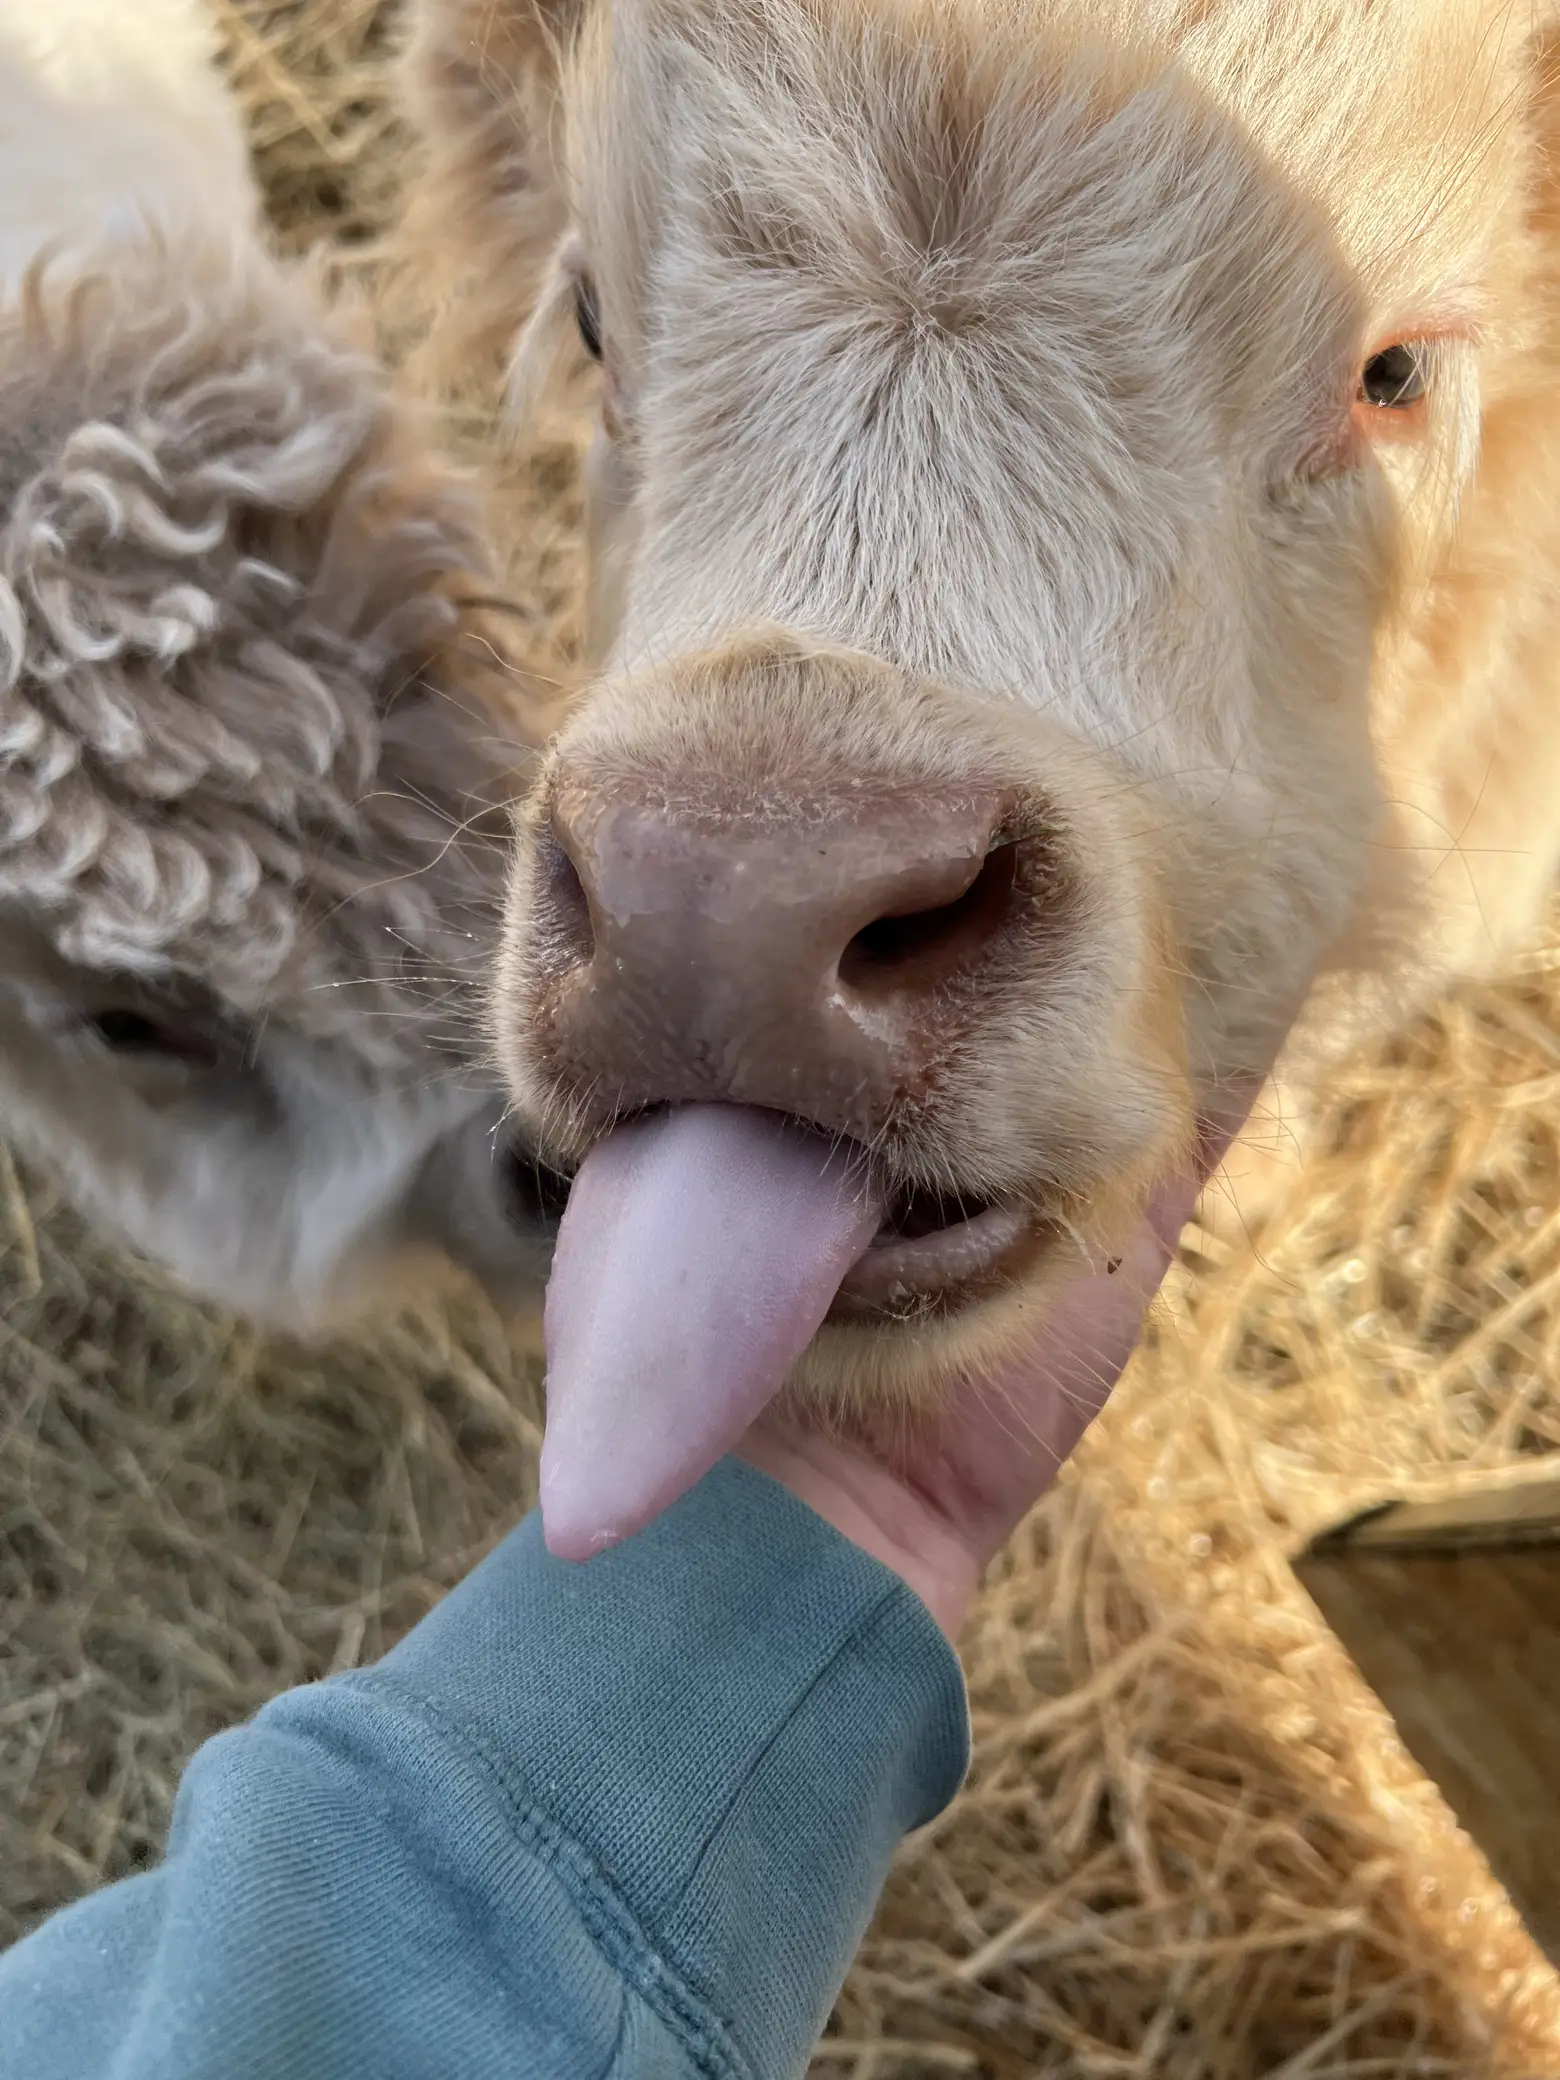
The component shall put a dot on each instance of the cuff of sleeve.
(734, 1718)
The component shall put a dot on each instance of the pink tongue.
(700, 1252)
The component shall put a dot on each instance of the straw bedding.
(1191, 1846)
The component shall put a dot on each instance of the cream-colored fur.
(1017, 344)
(253, 728)
(111, 117)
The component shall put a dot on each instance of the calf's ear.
(486, 204)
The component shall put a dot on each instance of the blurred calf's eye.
(587, 315)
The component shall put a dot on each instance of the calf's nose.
(818, 956)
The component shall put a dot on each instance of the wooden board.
(1451, 1610)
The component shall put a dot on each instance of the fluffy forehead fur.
(933, 125)
(1078, 263)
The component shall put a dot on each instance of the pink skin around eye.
(1346, 428)
(1354, 425)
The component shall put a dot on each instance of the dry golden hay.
(1191, 1847)
(327, 139)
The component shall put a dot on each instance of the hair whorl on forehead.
(247, 709)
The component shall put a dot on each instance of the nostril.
(919, 949)
(561, 901)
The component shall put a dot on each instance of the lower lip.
(905, 1279)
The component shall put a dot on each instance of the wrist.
(877, 1511)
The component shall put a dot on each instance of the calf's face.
(1024, 429)
(276, 1169)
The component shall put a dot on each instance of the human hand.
(937, 1505)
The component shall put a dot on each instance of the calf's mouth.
(933, 1253)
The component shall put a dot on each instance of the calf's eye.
(587, 315)
(128, 1032)
(1396, 379)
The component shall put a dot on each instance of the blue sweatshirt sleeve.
(625, 1821)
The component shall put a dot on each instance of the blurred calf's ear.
(486, 206)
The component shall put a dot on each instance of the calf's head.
(252, 748)
(1023, 429)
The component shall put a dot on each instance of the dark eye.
(1395, 379)
(128, 1032)
(125, 1030)
(587, 315)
